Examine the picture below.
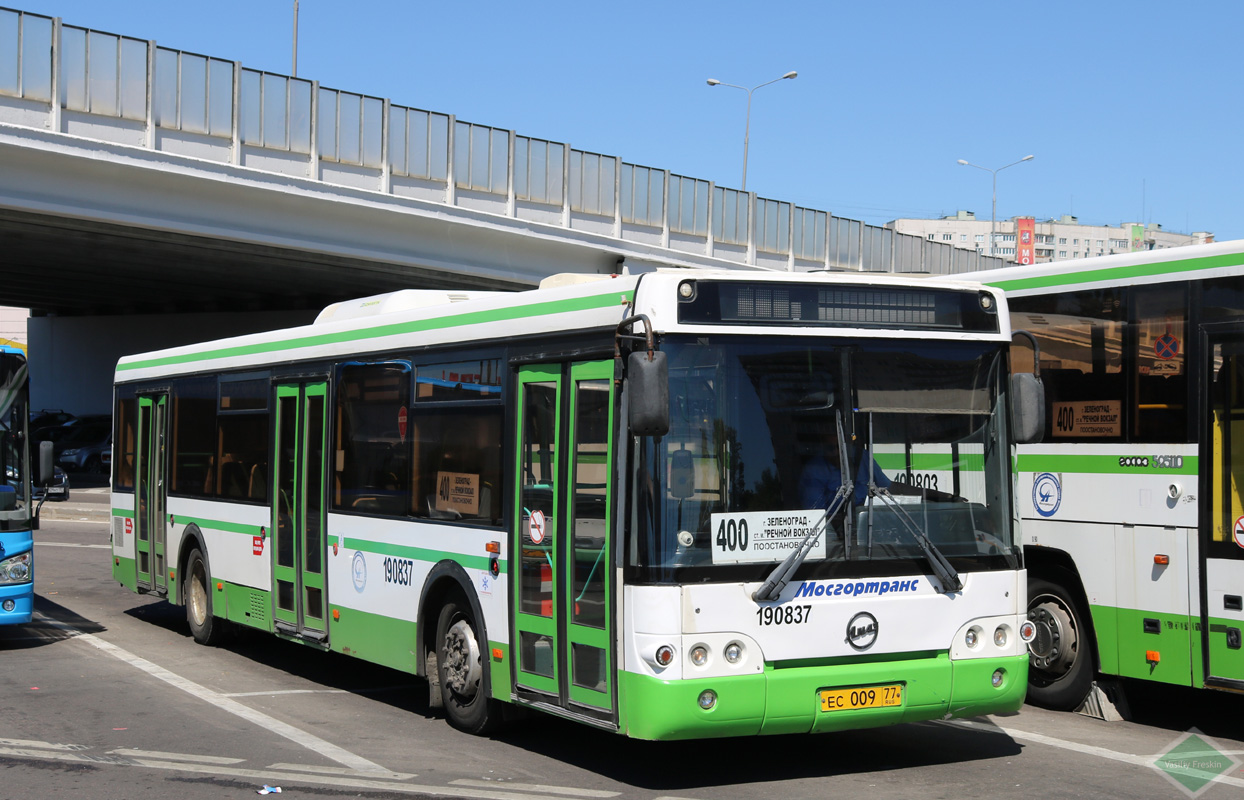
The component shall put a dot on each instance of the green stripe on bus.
(218, 525)
(1119, 273)
(394, 329)
(931, 462)
(417, 553)
(1034, 462)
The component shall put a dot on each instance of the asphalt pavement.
(89, 500)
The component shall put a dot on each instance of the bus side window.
(1160, 375)
(1081, 339)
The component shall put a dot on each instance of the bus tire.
(204, 627)
(460, 668)
(1060, 665)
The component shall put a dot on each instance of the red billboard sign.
(1026, 230)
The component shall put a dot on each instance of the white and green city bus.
(1133, 526)
(592, 498)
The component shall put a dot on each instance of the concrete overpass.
(151, 197)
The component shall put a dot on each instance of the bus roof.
(416, 318)
(1219, 259)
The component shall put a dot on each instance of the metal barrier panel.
(193, 93)
(275, 112)
(844, 242)
(772, 233)
(539, 170)
(730, 216)
(350, 129)
(878, 249)
(103, 73)
(592, 183)
(481, 158)
(26, 55)
(810, 234)
(642, 195)
(688, 205)
(418, 143)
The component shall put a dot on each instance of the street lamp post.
(993, 216)
(748, 126)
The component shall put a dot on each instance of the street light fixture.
(993, 217)
(748, 127)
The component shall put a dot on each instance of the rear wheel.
(205, 628)
(1060, 668)
(460, 667)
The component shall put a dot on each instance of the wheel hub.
(1054, 648)
(462, 663)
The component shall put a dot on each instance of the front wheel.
(460, 667)
(205, 628)
(1060, 668)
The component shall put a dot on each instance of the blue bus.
(18, 513)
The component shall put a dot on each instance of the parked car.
(47, 420)
(82, 445)
(58, 489)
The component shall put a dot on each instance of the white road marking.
(532, 787)
(1075, 747)
(269, 776)
(274, 692)
(397, 776)
(73, 544)
(300, 737)
(176, 756)
(47, 745)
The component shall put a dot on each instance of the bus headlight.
(665, 655)
(708, 699)
(734, 652)
(699, 655)
(999, 636)
(971, 637)
(17, 569)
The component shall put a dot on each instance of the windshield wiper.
(941, 567)
(780, 576)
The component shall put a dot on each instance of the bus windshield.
(752, 464)
(15, 492)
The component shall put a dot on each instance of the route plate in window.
(857, 697)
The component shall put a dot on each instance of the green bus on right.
(1131, 507)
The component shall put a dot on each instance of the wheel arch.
(444, 579)
(191, 539)
(1057, 566)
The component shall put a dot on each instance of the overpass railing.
(131, 91)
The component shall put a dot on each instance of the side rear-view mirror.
(1027, 408)
(44, 471)
(648, 377)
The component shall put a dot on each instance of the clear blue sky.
(1133, 110)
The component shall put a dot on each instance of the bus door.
(151, 495)
(562, 541)
(298, 512)
(1222, 500)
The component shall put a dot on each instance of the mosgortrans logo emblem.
(1047, 494)
(358, 571)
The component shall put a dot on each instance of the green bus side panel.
(786, 700)
(1172, 642)
(1225, 662)
(1106, 626)
(125, 572)
(499, 671)
(381, 640)
(247, 606)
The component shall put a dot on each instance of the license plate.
(862, 697)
